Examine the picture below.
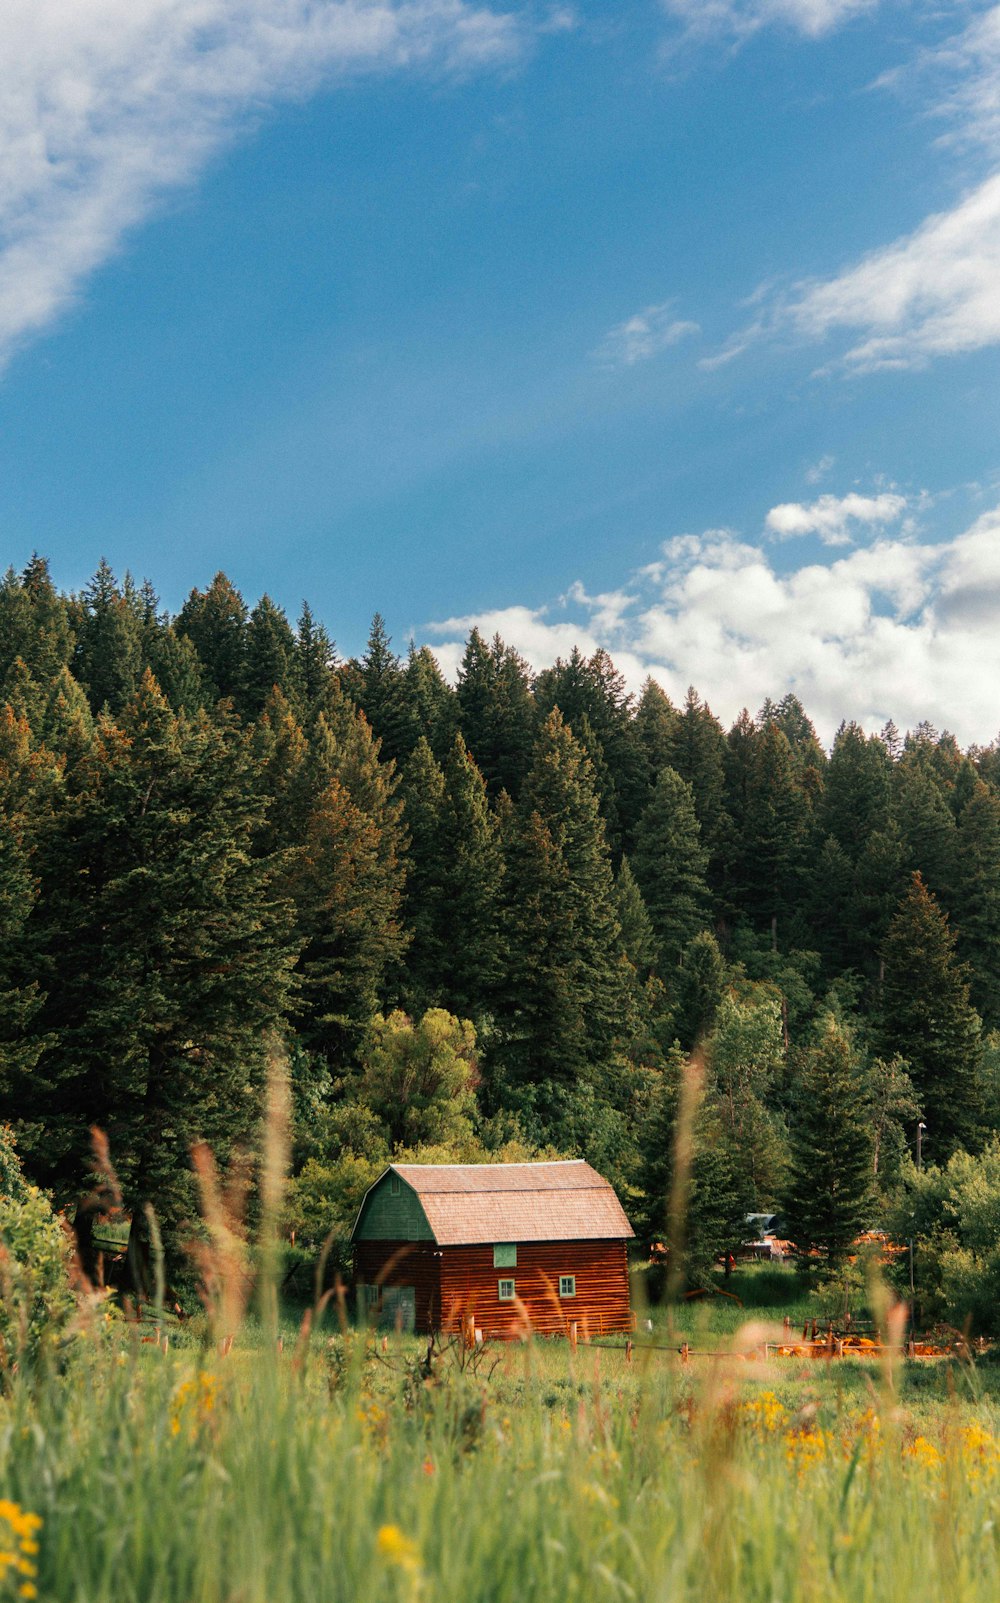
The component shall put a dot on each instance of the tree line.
(479, 920)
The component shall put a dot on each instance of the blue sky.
(669, 325)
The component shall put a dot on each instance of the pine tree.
(470, 872)
(378, 686)
(669, 862)
(927, 826)
(698, 987)
(424, 913)
(29, 785)
(656, 720)
(34, 623)
(697, 753)
(829, 1188)
(638, 935)
(497, 713)
(561, 1000)
(925, 1016)
(856, 793)
(778, 831)
(347, 883)
(108, 657)
(715, 1204)
(978, 900)
(433, 704)
(215, 621)
(316, 658)
(181, 958)
(271, 658)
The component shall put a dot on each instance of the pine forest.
(524, 915)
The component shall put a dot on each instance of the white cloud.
(820, 469)
(742, 17)
(108, 104)
(833, 517)
(900, 628)
(935, 292)
(643, 335)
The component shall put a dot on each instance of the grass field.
(339, 1472)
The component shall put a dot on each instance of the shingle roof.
(466, 1203)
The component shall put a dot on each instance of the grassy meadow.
(333, 1470)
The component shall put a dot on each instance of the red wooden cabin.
(505, 1247)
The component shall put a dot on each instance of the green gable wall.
(385, 1217)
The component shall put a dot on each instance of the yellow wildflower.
(398, 1549)
(922, 1451)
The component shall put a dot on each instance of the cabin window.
(505, 1290)
(505, 1255)
(394, 1185)
(372, 1296)
(567, 1285)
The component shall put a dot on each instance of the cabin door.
(399, 1307)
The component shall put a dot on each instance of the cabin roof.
(469, 1203)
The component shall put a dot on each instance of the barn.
(440, 1246)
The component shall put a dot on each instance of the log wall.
(469, 1288)
(404, 1263)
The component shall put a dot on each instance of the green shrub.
(36, 1298)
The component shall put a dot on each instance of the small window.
(567, 1285)
(505, 1255)
(394, 1185)
(505, 1290)
(372, 1296)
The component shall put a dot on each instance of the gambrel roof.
(462, 1204)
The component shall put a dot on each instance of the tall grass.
(241, 1467)
(340, 1475)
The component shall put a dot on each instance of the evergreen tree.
(108, 657)
(669, 863)
(927, 826)
(656, 721)
(496, 713)
(316, 661)
(829, 1188)
(378, 686)
(271, 658)
(34, 623)
(592, 697)
(181, 960)
(566, 975)
(424, 912)
(470, 872)
(697, 753)
(433, 705)
(638, 935)
(925, 1016)
(29, 785)
(174, 663)
(856, 793)
(347, 884)
(698, 988)
(215, 621)
(978, 900)
(714, 1202)
(778, 828)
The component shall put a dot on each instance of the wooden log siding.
(469, 1285)
(403, 1263)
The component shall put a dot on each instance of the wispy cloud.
(901, 627)
(108, 104)
(819, 470)
(935, 292)
(643, 335)
(833, 518)
(743, 17)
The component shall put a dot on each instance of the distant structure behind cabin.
(497, 1246)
